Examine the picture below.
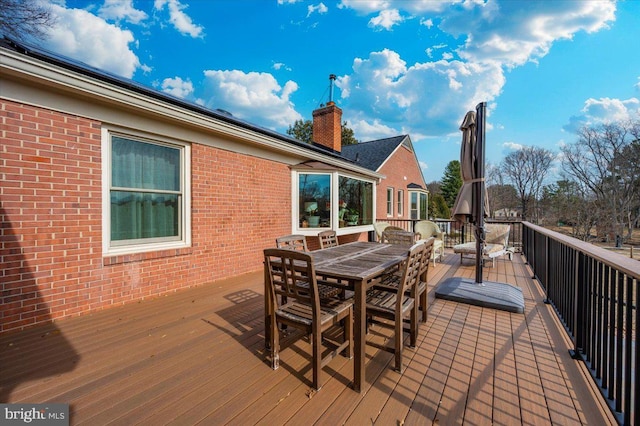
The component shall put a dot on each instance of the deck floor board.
(197, 357)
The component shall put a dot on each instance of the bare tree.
(527, 169)
(569, 203)
(606, 160)
(501, 195)
(25, 19)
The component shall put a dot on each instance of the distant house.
(507, 214)
(402, 193)
(113, 192)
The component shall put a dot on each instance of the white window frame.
(418, 194)
(137, 246)
(390, 192)
(400, 211)
(335, 182)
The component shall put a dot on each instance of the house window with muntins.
(317, 194)
(400, 202)
(418, 205)
(146, 202)
(389, 201)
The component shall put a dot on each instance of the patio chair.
(428, 229)
(292, 242)
(293, 272)
(379, 227)
(299, 243)
(396, 305)
(328, 239)
(496, 244)
(398, 236)
(391, 281)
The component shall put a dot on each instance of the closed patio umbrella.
(473, 193)
(472, 204)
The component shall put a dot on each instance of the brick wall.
(327, 126)
(402, 164)
(51, 234)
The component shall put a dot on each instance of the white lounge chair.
(428, 229)
(496, 244)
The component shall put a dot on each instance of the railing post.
(546, 271)
(577, 310)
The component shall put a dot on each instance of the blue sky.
(545, 68)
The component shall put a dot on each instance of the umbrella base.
(489, 294)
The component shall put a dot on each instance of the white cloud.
(177, 87)
(604, 110)
(513, 33)
(494, 36)
(121, 10)
(426, 22)
(637, 86)
(512, 146)
(180, 20)
(371, 130)
(386, 19)
(414, 6)
(509, 32)
(426, 98)
(320, 8)
(256, 97)
(280, 66)
(85, 37)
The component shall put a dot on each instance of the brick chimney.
(327, 126)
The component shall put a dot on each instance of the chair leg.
(399, 343)
(274, 337)
(413, 326)
(316, 350)
(423, 303)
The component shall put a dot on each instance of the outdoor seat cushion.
(490, 250)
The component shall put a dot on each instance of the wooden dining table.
(358, 265)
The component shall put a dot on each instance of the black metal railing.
(594, 293)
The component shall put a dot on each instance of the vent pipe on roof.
(332, 78)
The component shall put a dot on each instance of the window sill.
(139, 257)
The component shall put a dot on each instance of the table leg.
(360, 334)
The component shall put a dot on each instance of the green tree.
(303, 131)
(438, 208)
(451, 182)
(347, 136)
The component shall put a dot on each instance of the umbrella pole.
(478, 187)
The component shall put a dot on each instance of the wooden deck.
(197, 356)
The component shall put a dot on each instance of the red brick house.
(402, 194)
(112, 192)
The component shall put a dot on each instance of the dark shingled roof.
(373, 154)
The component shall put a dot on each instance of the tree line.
(597, 183)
